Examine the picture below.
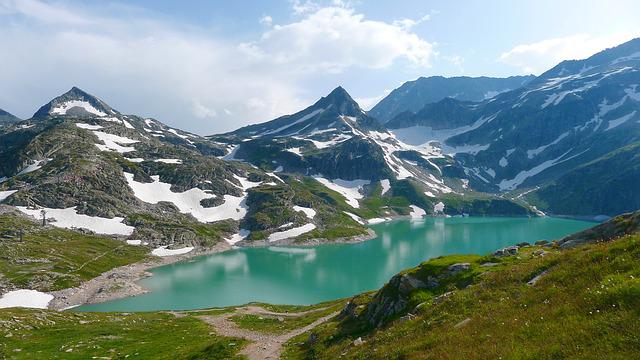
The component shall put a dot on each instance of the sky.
(213, 66)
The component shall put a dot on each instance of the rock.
(489, 264)
(440, 298)
(407, 317)
(540, 252)
(313, 338)
(462, 323)
(349, 311)
(456, 268)
(541, 242)
(507, 251)
(523, 244)
(358, 341)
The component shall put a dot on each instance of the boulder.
(507, 251)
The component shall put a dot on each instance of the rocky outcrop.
(394, 297)
(612, 229)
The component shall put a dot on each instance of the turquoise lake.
(307, 275)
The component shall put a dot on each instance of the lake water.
(293, 275)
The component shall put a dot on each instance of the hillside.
(7, 118)
(541, 303)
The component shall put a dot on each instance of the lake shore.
(122, 282)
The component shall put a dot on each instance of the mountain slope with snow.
(414, 95)
(90, 167)
(575, 113)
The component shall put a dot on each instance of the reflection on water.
(294, 275)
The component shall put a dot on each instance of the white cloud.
(181, 74)
(202, 111)
(266, 20)
(409, 23)
(333, 39)
(542, 55)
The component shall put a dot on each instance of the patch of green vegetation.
(39, 334)
(50, 259)
(271, 324)
(586, 304)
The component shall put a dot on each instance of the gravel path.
(263, 346)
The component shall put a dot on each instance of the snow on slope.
(88, 126)
(385, 186)
(62, 109)
(69, 218)
(5, 194)
(162, 251)
(307, 211)
(291, 233)
(26, 299)
(350, 189)
(36, 165)
(417, 212)
(114, 142)
(188, 202)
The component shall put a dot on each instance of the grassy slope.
(587, 306)
(52, 259)
(39, 334)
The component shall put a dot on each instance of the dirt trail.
(262, 346)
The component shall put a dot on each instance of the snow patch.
(188, 202)
(114, 142)
(291, 233)
(385, 186)
(88, 126)
(355, 217)
(619, 121)
(36, 165)
(5, 194)
(62, 109)
(25, 298)
(350, 189)
(438, 208)
(162, 251)
(417, 212)
(307, 211)
(169, 161)
(241, 235)
(69, 218)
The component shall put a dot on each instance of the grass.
(50, 259)
(283, 324)
(586, 306)
(40, 334)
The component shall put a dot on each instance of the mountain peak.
(76, 103)
(344, 103)
(7, 118)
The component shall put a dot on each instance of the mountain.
(338, 144)
(414, 95)
(90, 167)
(575, 113)
(7, 118)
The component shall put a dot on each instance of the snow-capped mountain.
(575, 113)
(414, 95)
(88, 166)
(334, 138)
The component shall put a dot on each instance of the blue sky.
(212, 66)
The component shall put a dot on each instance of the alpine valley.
(91, 198)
